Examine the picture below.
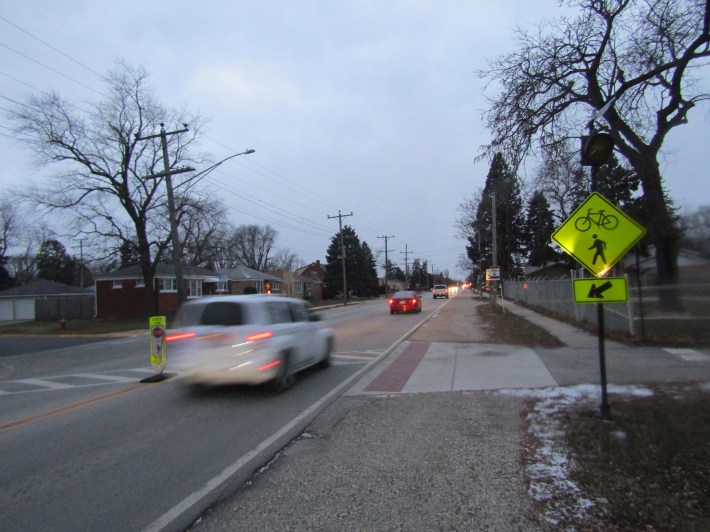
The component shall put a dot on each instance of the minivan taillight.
(176, 337)
(265, 335)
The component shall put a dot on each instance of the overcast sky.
(369, 107)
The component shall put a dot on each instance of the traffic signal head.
(597, 148)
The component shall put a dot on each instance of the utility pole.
(387, 289)
(406, 263)
(342, 253)
(81, 261)
(167, 173)
(495, 244)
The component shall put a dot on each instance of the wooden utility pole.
(167, 173)
(387, 289)
(342, 253)
(406, 263)
(494, 259)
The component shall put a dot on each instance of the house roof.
(242, 273)
(45, 287)
(162, 270)
(284, 275)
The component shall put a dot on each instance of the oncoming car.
(250, 339)
(407, 301)
(440, 290)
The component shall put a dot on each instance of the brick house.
(299, 286)
(120, 293)
(313, 273)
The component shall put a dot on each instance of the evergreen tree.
(360, 266)
(54, 264)
(539, 227)
(510, 221)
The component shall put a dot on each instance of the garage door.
(17, 309)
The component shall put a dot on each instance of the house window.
(117, 284)
(299, 287)
(140, 283)
(168, 285)
(195, 288)
(222, 285)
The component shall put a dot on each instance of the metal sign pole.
(604, 408)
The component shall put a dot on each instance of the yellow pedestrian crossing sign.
(597, 234)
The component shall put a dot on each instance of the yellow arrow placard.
(598, 234)
(607, 290)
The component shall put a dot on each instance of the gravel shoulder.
(449, 461)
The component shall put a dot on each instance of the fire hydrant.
(62, 324)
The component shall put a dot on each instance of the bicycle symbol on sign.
(598, 218)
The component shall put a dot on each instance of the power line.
(52, 69)
(52, 47)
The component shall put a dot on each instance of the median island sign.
(598, 234)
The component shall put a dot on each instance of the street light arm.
(208, 170)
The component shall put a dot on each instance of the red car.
(407, 301)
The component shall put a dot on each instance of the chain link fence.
(642, 317)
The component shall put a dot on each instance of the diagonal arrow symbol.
(597, 291)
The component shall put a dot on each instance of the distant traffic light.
(597, 148)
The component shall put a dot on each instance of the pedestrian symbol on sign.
(600, 246)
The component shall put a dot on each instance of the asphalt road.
(87, 446)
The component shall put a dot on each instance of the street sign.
(158, 347)
(493, 274)
(598, 234)
(607, 290)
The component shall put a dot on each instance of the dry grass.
(514, 330)
(648, 468)
(650, 464)
(74, 327)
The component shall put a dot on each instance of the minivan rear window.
(215, 313)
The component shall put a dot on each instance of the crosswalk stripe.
(46, 384)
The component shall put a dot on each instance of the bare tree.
(641, 55)
(205, 231)
(284, 260)
(102, 165)
(465, 223)
(562, 180)
(9, 228)
(250, 245)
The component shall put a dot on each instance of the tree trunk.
(148, 271)
(663, 231)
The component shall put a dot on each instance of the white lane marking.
(101, 377)
(689, 355)
(46, 384)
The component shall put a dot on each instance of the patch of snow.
(550, 464)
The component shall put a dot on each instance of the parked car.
(440, 290)
(247, 339)
(406, 301)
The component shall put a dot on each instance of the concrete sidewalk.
(423, 441)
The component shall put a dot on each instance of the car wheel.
(284, 380)
(325, 361)
(391, 311)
